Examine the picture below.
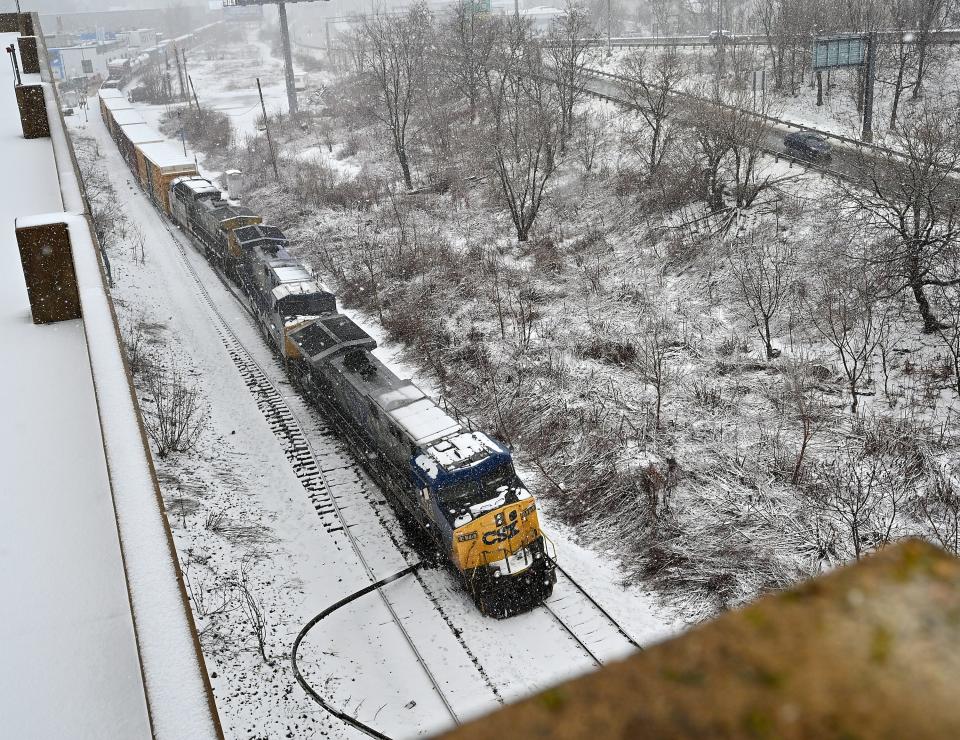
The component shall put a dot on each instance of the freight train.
(454, 484)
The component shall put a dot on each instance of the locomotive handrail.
(352, 721)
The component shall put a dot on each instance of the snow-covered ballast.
(456, 485)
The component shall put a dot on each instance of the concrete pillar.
(47, 259)
(26, 25)
(29, 58)
(33, 111)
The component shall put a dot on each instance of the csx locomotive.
(455, 484)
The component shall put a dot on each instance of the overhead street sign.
(830, 52)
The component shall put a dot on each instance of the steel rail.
(569, 630)
(600, 609)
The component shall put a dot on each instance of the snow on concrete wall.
(178, 690)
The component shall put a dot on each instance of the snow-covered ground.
(244, 523)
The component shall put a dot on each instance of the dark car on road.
(725, 36)
(808, 145)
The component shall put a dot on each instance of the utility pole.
(266, 125)
(287, 58)
(609, 21)
(184, 95)
(284, 42)
(867, 134)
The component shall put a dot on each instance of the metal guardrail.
(785, 123)
(949, 37)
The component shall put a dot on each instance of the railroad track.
(587, 623)
(318, 475)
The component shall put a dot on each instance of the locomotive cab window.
(501, 480)
(462, 495)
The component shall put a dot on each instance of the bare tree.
(590, 138)
(910, 205)
(179, 416)
(763, 267)
(651, 83)
(930, 19)
(397, 56)
(469, 41)
(746, 134)
(523, 126)
(846, 312)
(654, 362)
(570, 48)
(902, 53)
(714, 144)
(807, 406)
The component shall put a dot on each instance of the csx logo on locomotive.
(506, 532)
(503, 532)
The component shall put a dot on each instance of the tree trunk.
(897, 92)
(405, 166)
(930, 321)
(921, 64)
(819, 88)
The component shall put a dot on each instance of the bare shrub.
(135, 339)
(940, 508)
(606, 349)
(864, 494)
(847, 313)
(253, 608)
(179, 415)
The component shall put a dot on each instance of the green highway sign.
(830, 52)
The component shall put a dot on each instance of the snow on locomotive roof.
(127, 117)
(107, 93)
(165, 155)
(199, 185)
(141, 133)
(290, 272)
(463, 449)
(305, 287)
(424, 421)
(328, 335)
(249, 235)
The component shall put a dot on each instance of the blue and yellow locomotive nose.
(496, 535)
